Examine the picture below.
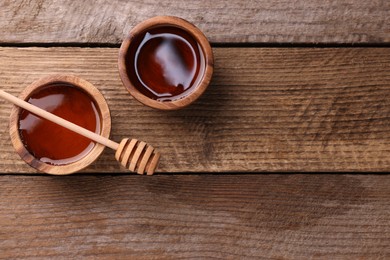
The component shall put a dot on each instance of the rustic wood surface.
(267, 109)
(263, 21)
(208, 216)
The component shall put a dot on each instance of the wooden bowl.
(101, 107)
(132, 42)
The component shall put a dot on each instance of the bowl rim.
(191, 29)
(101, 105)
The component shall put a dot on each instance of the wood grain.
(267, 109)
(209, 216)
(261, 21)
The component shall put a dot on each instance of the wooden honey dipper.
(128, 153)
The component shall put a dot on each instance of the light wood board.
(267, 109)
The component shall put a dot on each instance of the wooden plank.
(261, 21)
(181, 216)
(267, 109)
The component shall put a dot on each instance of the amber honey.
(49, 142)
(167, 65)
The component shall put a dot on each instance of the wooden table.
(299, 87)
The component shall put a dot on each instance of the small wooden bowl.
(89, 158)
(131, 42)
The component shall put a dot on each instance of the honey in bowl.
(49, 142)
(167, 65)
(165, 62)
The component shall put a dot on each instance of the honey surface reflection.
(167, 64)
(49, 142)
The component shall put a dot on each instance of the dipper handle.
(59, 121)
(134, 155)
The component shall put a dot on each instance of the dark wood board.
(199, 216)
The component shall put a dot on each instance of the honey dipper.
(128, 153)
